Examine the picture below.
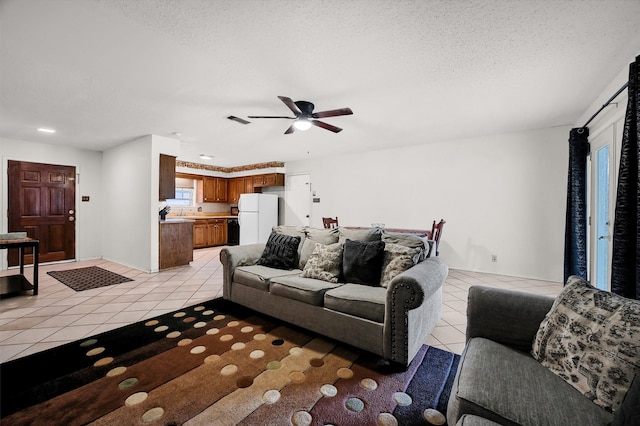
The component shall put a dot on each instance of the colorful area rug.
(219, 364)
(87, 278)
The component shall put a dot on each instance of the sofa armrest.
(233, 256)
(505, 316)
(413, 308)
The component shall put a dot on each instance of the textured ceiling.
(103, 72)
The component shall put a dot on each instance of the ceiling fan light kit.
(305, 117)
(302, 124)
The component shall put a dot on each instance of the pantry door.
(42, 203)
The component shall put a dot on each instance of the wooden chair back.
(436, 234)
(330, 223)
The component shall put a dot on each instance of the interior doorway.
(42, 202)
(298, 200)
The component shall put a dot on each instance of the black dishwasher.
(233, 232)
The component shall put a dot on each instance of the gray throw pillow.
(409, 240)
(362, 262)
(280, 251)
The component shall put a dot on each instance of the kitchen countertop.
(177, 220)
(202, 217)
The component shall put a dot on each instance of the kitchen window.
(185, 193)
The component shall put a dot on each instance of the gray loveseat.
(391, 321)
(499, 381)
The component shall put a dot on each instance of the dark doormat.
(87, 278)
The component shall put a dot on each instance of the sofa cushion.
(367, 234)
(590, 339)
(469, 420)
(397, 259)
(358, 300)
(307, 290)
(280, 251)
(323, 236)
(258, 276)
(324, 263)
(362, 262)
(314, 235)
(510, 387)
(629, 411)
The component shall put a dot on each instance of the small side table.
(19, 283)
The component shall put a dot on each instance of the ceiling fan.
(305, 117)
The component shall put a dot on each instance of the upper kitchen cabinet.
(167, 181)
(214, 189)
(269, 179)
(235, 187)
(239, 185)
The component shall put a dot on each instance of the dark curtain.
(575, 239)
(625, 272)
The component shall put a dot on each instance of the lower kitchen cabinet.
(209, 232)
(176, 243)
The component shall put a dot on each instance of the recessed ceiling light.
(206, 157)
(46, 130)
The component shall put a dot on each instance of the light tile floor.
(59, 315)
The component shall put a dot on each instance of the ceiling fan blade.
(270, 116)
(327, 126)
(288, 102)
(290, 130)
(332, 113)
(238, 119)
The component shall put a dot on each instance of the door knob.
(71, 218)
(604, 237)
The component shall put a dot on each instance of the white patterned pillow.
(591, 338)
(325, 263)
(397, 259)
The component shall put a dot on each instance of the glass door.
(602, 218)
(601, 207)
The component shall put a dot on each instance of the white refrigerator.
(257, 215)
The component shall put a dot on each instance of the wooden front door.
(42, 201)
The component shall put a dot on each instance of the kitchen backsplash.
(199, 208)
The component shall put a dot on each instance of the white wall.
(88, 165)
(130, 182)
(502, 195)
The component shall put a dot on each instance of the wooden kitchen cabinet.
(269, 179)
(167, 181)
(217, 232)
(238, 186)
(200, 234)
(214, 190)
(235, 188)
(176, 243)
(248, 185)
(209, 233)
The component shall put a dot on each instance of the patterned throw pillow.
(281, 251)
(397, 259)
(325, 263)
(591, 338)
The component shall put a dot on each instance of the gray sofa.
(499, 381)
(392, 322)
